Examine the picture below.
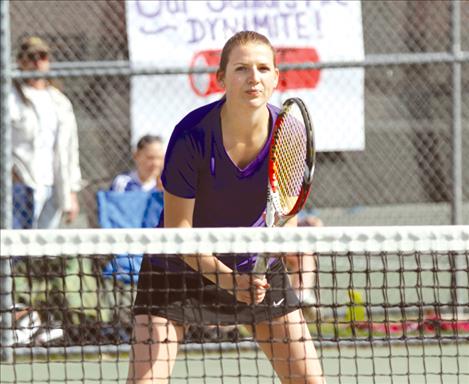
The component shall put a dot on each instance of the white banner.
(184, 33)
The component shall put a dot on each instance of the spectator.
(46, 180)
(46, 171)
(148, 158)
(134, 200)
(302, 267)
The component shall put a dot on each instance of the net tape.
(222, 240)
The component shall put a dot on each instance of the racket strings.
(290, 155)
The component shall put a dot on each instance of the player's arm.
(178, 213)
(293, 222)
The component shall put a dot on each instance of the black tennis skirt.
(189, 298)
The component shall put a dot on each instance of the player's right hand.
(250, 289)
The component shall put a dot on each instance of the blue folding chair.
(133, 209)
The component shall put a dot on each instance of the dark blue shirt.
(198, 166)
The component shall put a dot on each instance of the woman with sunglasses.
(46, 172)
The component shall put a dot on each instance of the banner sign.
(184, 33)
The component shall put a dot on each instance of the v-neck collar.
(260, 155)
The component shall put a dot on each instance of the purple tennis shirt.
(198, 166)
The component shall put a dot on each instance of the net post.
(6, 328)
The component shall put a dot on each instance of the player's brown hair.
(242, 38)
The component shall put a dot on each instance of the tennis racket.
(291, 167)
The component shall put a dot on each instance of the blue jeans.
(35, 208)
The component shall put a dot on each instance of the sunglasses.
(37, 56)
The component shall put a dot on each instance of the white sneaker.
(27, 323)
(49, 334)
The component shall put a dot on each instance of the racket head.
(291, 160)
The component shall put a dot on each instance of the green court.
(384, 364)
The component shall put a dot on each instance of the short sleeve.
(180, 170)
(120, 183)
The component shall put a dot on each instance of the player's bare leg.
(296, 360)
(154, 351)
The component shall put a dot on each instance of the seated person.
(134, 200)
(148, 158)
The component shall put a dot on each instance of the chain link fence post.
(457, 202)
(6, 328)
(456, 206)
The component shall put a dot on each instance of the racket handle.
(269, 215)
(260, 267)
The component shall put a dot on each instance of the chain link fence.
(408, 173)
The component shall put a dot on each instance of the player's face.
(149, 160)
(250, 77)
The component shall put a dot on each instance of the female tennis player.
(215, 175)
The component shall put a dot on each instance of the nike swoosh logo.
(277, 303)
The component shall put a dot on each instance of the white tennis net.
(383, 296)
